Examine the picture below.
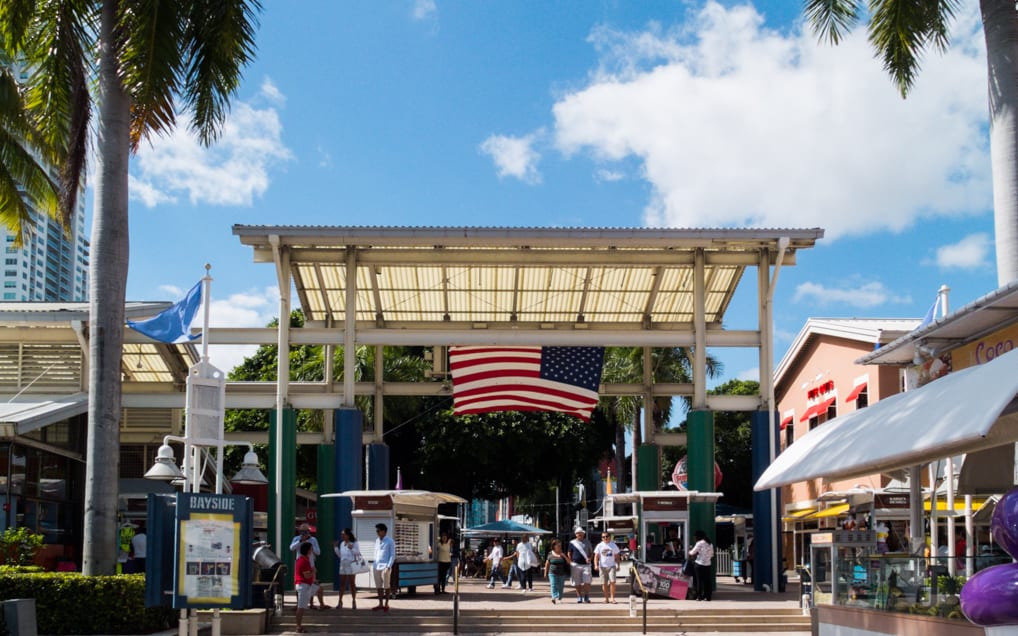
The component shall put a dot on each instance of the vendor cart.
(413, 522)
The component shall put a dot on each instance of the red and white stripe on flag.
(486, 379)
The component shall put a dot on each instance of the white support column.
(281, 257)
(700, 331)
(349, 330)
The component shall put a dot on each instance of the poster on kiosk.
(213, 551)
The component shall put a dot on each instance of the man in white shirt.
(495, 556)
(606, 561)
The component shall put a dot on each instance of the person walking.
(139, 546)
(304, 534)
(443, 555)
(526, 561)
(304, 577)
(495, 556)
(349, 555)
(606, 560)
(580, 552)
(514, 570)
(556, 568)
(385, 558)
(703, 552)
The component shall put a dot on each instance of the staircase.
(542, 617)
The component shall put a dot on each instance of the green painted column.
(326, 519)
(700, 470)
(648, 467)
(283, 487)
(700, 467)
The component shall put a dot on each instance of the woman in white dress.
(349, 554)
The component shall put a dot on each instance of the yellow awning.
(832, 511)
(959, 504)
(798, 515)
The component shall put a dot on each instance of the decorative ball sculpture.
(990, 597)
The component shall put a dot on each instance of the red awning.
(817, 409)
(785, 422)
(856, 390)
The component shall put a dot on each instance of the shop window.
(863, 400)
(789, 434)
(814, 422)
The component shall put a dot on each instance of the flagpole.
(206, 298)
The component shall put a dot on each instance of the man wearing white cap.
(580, 555)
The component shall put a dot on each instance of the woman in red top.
(304, 580)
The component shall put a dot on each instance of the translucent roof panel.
(522, 276)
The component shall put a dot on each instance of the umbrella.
(505, 526)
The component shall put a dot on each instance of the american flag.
(562, 379)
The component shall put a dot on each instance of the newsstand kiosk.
(664, 517)
(413, 521)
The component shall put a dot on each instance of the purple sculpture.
(990, 597)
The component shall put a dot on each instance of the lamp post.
(204, 415)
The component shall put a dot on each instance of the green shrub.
(71, 603)
(18, 546)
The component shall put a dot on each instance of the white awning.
(416, 497)
(963, 412)
(30, 413)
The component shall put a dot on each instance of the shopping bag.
(359, 566)
(689, 567)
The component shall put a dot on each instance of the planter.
(239, 622)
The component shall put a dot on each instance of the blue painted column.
(378, 467)
(766, 523)
(347, 473)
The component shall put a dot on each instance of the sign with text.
(213, 551)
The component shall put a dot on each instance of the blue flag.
(172, 325)
(928, 318)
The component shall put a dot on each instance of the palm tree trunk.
(1000, 28)
(107, 287)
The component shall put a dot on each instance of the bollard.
(19, 614)
(632, 606)
(805, 604)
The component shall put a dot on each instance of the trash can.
(19, 616)
(738, 569)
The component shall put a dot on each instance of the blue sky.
(592, 114)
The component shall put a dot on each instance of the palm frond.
(149, 36)
(900, 31)
(219, 41)
(831, 19)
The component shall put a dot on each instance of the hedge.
(71, 603)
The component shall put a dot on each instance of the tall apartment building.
(51, 265)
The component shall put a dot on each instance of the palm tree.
(625, 365)
(900, 32)
(25, 184)
(152, 60)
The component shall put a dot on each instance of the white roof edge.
(858, 329)
(34, 412)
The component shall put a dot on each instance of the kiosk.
(663, 536)
(413, 521)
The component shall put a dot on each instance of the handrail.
(456, 599)
(635, 576)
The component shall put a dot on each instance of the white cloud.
(514, 156)
(871, 294)
(738, 125)
(608, 176)
(271, 92)
(233, 171)
(969, 253)
(424, 9)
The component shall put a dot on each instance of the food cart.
(664, 517)
(413, 521)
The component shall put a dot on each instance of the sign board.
(213, 551)
(665, 503)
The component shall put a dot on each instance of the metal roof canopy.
(983, 316)
(547, 279)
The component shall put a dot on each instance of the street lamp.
(165, 467)
(204, 415)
